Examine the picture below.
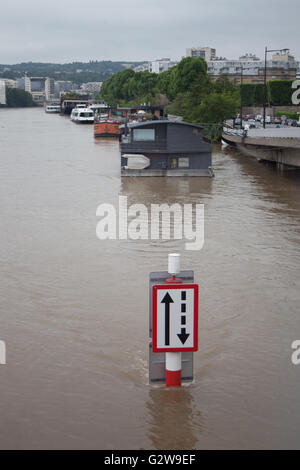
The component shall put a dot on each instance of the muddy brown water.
(74, 309)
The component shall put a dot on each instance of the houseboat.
(82, 115)
(106, 127)
(165, 148)
(108, 124)
(52, 108)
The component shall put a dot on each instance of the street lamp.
(241, 110)
(265, 81)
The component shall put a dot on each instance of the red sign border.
(157, 287)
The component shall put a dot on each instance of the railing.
(234, 132)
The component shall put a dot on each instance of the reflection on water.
(74, 309)
(175, 421)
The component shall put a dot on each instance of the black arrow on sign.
(183, 336)
(167, 300)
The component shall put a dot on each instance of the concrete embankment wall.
(283, 150)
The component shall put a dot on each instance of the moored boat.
(108, 124)
(52, 108)
(82, 115)
(165, 148)
(106, 128)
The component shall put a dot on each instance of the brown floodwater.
(74, 309)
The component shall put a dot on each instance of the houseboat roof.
(133, 125)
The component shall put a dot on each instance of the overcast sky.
(70, 30)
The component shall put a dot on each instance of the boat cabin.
(165, 148)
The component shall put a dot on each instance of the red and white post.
(173, 359)
(173, 369)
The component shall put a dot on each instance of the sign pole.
(174, 322)
(173, 359)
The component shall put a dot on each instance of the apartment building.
(207, 53)
(156, 66)
(2, 92)
(282, 66)
(41, 88)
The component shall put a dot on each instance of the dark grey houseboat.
(165, 148)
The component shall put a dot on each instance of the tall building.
(2, 92)
(283, 56)
(281, 67)
(207, 53)
(41, 88)
(9, 83)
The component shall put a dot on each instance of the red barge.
(108, 124)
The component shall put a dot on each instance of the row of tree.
(187, 86)
(17, 98)
(191, 92)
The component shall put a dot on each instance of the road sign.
(175, 318)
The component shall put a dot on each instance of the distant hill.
(77, 72)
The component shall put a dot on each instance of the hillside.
(78, 72)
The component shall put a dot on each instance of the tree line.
(17, 98)
(77, 72)
(191, 92)
(187, 86)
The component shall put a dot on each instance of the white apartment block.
(161, 65)
(10, 83)
(283, 56)
(156, 66)
(41, 88)
(282, 66)
(207, 53)
(2, 92)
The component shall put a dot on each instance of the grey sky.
(69, 30)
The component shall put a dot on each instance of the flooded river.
(74, 309)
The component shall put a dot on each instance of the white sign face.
(175, 318)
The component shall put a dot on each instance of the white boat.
(52, 108)
(82, 115)
(99, 108)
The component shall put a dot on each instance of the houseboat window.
(183, 162)
(140, 135)
(116, 113)
(180, 162)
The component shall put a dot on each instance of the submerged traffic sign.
(175, 318)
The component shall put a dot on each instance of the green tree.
(215, 108)
(224, 84)
(15, 97)
(188, 72)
